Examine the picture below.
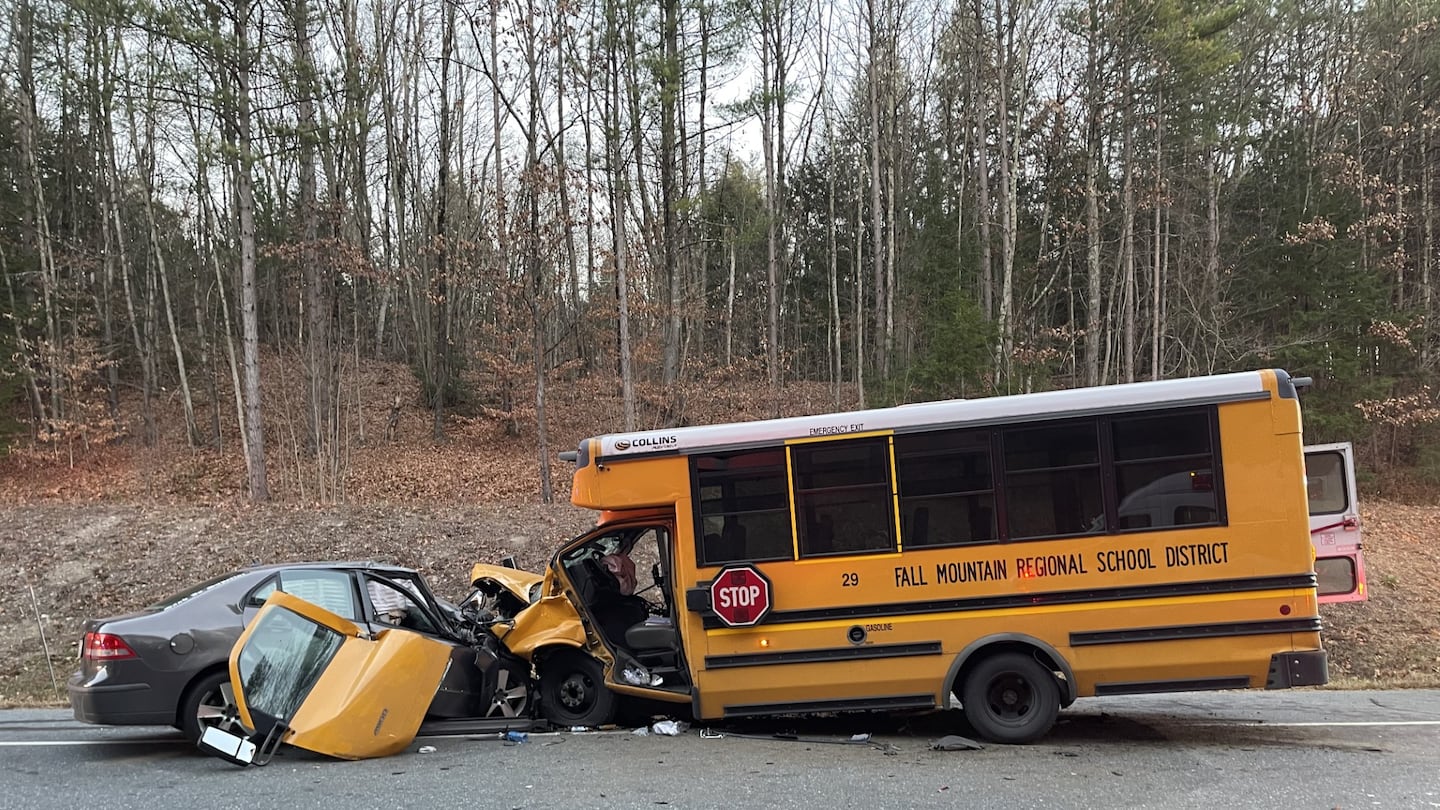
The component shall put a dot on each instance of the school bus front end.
(1015, 553)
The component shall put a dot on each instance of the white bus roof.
(945, 413)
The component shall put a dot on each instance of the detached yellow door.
(340, 691)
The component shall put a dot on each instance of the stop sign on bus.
(740, 596)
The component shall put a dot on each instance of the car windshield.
(192, 592)
(282, 660)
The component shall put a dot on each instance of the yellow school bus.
(1010, 554)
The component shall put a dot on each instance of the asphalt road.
(1294, 749)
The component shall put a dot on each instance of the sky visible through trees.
(902, 199)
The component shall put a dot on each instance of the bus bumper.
(1303, 668)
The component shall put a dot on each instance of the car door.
(1335, 522)
(328, 685)
(401, 600)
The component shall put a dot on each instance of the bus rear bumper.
(1302, 668)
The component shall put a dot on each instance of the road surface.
(1292, 749)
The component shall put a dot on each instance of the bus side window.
(842, 497)
(1052, 479)
(742, 508)
(947, 494)
(1165, 470)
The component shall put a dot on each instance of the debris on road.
(955, 742)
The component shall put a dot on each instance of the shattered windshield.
(282, 660)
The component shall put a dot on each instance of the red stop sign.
(740, 595)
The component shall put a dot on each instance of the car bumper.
(116, 704)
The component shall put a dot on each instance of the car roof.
(363, 565)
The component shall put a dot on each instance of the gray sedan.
(169, 663)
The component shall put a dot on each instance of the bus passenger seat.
(919, 533)
(821, 533)
(980, 524)
(732, 542)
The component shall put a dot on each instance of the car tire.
(1011, 699)
(573, 691)
(207, 702)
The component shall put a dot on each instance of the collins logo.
(643, 442)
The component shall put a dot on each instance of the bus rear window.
(1325, 483)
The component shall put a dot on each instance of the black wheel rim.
(1010, 697)
(577, 692)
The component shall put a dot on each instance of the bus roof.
(1000, 410)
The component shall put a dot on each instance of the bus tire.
(573, 691)
(1010, 698)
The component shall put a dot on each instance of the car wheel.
(573, 691)
(512, 693)
(208, 702)
(1011, 699)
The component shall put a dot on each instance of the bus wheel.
(573, 691)
(1011, 698)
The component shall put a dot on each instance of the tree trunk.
(320, 355)
(1094, 325)
(441, 336)
(241, 163)
(670, 71)
(877, 225)
(619, 191)
(144, 161)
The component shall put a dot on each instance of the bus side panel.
(1210, 641)
(1264, 483)
(1204, 605)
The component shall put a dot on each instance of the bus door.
(1335, 522)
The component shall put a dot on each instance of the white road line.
(1337, 723)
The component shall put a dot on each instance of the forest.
(885, 201)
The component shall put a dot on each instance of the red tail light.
(105, 647)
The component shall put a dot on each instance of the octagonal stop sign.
(740, 595)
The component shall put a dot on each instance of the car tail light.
(106, 647)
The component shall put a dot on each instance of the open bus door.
(1335, 522)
